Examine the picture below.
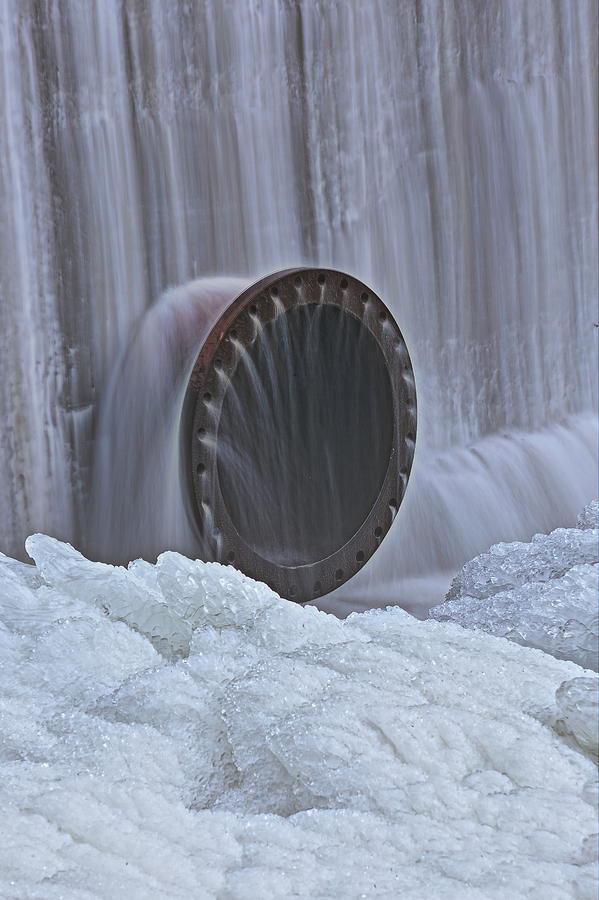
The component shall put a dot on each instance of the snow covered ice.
(542, 594)
(177, 730)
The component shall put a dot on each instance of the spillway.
(444, 153)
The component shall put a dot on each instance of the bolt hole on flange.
(311, 432)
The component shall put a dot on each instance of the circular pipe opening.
(302, 415)
(305, 434)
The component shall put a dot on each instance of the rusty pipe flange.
(299, 428)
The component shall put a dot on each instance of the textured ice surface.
(543, 594)
(178, 731)
(589, 517)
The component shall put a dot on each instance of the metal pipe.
(298, 430)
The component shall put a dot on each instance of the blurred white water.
(138, 501)
(505, 486)
(445, 153)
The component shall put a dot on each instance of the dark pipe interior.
(305, 434)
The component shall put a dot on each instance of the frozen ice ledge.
(178, 730)
(542, 594)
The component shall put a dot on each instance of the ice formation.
(589, 517)
(542, 594)
(177, 730)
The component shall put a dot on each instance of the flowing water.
(445, 153)
(313, 457)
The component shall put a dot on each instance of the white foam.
(178, 730)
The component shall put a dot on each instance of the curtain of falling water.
(443, 151)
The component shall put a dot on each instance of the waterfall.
(444, 152)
